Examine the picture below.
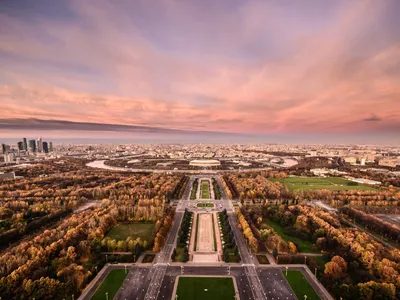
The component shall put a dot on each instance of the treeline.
(230, 187)
(184, 236)
(227, 190)
(195, 186)
(217, 192)
(162, 229)
(256, 187)
(247, 231)
(180, 187)
(373, 223)
(54, 264)
(369, 263)
(13, 235)
(229, 245)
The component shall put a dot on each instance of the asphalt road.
(162, 259)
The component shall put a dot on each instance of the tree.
(333, 270)
(236, 250)
(275, 253)
(340, 261)
(292, 247)
(185, 256)
(226, 255)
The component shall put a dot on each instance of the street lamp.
(286, 270)
(305, 260)
(106, 257)
(176, 297)
(305, 297)
(315, 272)
(125, 269)
(106, 296)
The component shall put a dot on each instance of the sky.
(323, 69)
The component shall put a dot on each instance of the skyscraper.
(32, 145)
(25, 144)
(45, 147)
(20, 146)
(39, 145)
(3, 148)
(51, 146)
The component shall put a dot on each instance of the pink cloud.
(102, 68)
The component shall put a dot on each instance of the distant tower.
(45, 147)
(25, 144)
(32, 145)
(3, 148)
(51, 146)
(40, 145)
(20, 146)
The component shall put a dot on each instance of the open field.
(134, 230)
(204, 189)
(302, 245)
(319, 183)
(300, 285)
(210, 288)
(110, 285)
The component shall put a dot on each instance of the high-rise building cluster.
(26, 147)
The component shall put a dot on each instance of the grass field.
(204, 189)
(179, 254)
(300, 285)
(302, 245)
(319, 183)
(205, 205)
(134, 230)
(262, 259)
(210, 288)
(110, 285)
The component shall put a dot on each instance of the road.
(162, 259)
(247, 259)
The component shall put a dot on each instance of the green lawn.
(320, 183)
(205, 205)
(210, 288)
(110, 285)
(134, 230)
(300, 285)
(179, 254)
(302, 245)
(262, 259)
(205, 189)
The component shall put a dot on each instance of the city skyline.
(280, 72)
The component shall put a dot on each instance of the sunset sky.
(252, 67)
